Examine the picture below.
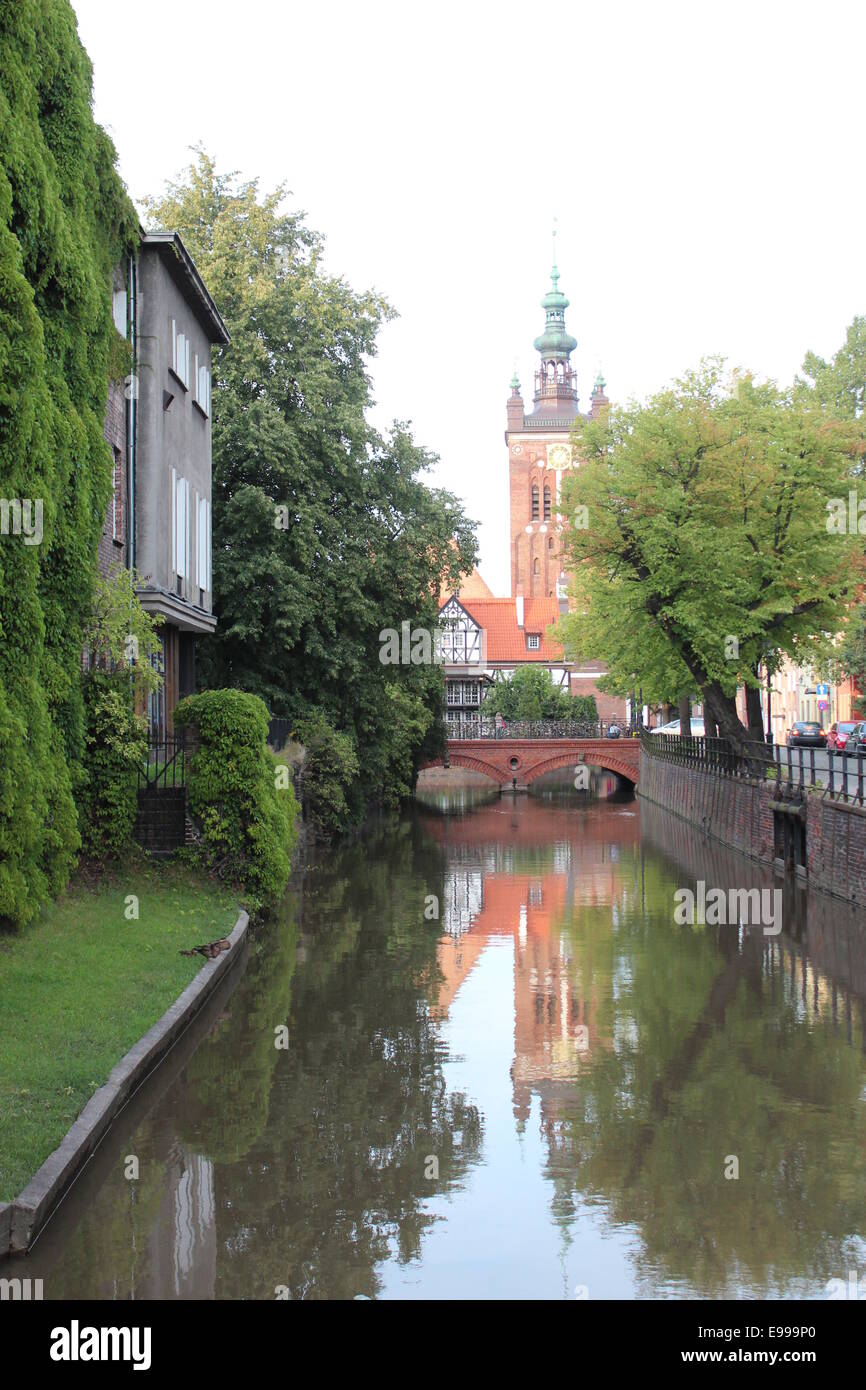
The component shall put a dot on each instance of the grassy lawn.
(80, 985)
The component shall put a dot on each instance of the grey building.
(175, 325)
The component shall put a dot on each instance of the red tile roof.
(505, 640)
(472, 585)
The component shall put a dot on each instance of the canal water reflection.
(536, 1093)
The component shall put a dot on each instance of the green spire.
(554, 342)
(515, 381)
(600, 382)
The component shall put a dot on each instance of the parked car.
(857, 740)
(673, 728)
(805, 734)
(840, 736)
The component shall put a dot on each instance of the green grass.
(80, 985)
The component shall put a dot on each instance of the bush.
(330, 768)
(116, 745)
(242, 798)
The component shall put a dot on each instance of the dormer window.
(533, 641)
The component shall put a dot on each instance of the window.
(179, 355)
(547, 504)
(118, 311)
(533, 641)
(156, 698)
(202, 387)
(550, 543)
(535, 501)
(536, 566)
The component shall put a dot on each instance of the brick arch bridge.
(524, 760)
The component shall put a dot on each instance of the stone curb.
(22, 1219)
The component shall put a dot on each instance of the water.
(537, 1094)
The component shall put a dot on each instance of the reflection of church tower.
(539, 452)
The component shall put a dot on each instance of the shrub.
(245, 804)
(330, 768)
(115, 740)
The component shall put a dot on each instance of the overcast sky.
(704, 162)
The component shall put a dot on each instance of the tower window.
(550, 543)
(536, 566)
(535, 501)
(547, 504)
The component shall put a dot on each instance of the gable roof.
(172, 249)
(472, 585)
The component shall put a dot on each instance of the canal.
(475, 1055)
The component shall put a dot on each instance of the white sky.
(704, 162)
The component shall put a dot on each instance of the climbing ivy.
(65, 222)
(243, 800)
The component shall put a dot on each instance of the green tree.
(708, 547)
(840, 384)
(65, 222)
(324, 531)
(529, 694)
(850, 658)
(119, 639)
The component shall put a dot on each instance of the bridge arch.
(604, 761)
(476, 765)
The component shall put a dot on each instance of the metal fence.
(484, 727)
(279, 732)
(165, 768)
(837, 775)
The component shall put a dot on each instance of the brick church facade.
(540, 453)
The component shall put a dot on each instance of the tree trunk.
(685, 716)
(753, 713)
(722, 710)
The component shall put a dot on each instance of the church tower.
(540, 453)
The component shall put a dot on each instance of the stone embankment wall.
(739, 812)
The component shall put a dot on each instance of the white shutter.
(181, 528)
(186, 364)
(173, 505)
(196, 383)
(174, 344)
(187, 519)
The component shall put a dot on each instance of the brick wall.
(739, 814)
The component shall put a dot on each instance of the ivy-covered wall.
(65, 222)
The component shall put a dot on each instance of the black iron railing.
(484, 727)
(166, 765)
(279, 733)
(841, 776)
